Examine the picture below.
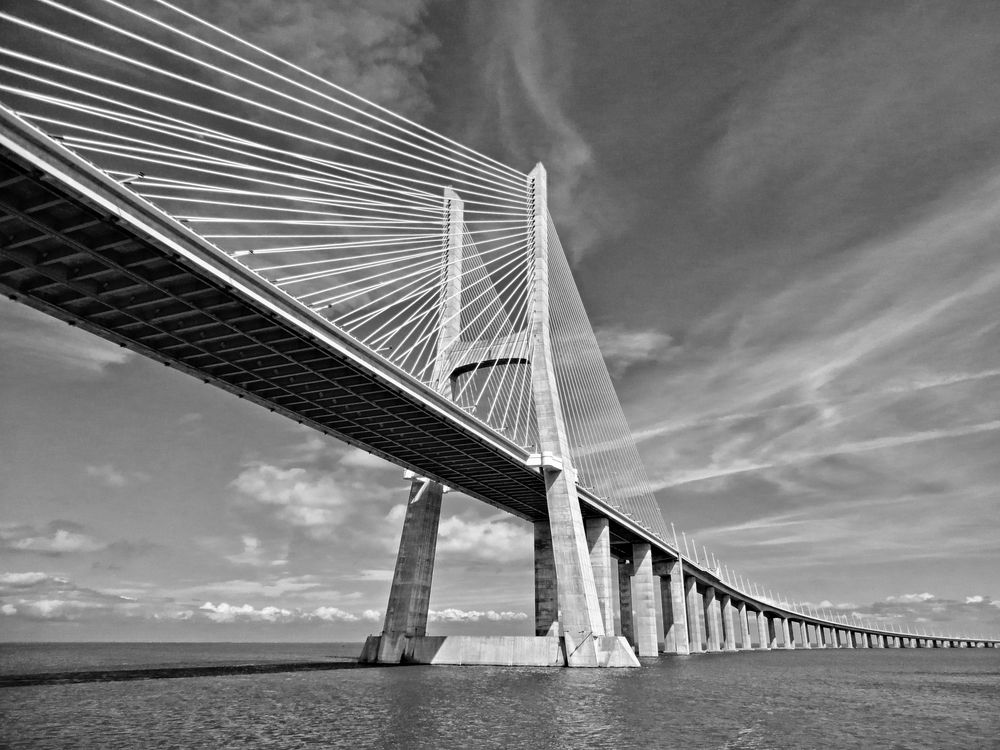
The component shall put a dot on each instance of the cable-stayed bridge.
(178, 190)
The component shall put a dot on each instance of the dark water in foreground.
(815, 699)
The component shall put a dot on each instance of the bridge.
(188, 195)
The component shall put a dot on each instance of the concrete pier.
(816, 634)
(804, 633)
(674, 610)
(546, 593)
(410, 593)
(599, 542)
(786, 635)
(728, 631)
(742, 617)
(694, 605)
(763, 632)
(625, 601)
(713, 620)
(644, 601)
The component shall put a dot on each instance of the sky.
(783, 218)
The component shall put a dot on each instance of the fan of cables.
(392, 232)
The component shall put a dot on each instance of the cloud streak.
(55, 347)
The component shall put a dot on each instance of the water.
(816, 699)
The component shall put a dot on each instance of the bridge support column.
(816, 635)
(410, 593)
(644, 601)
(727, 623)
(772, 635)
(741, 616)
(786, 634)
(763, 635)
(580, 619)
(713, 620)
(546, 590)
(625, 601)
(804, 633)
(675, 639)
(694, 605)
(848, 639)
(599, 540)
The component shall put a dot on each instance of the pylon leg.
(409, 596)
(586, 643)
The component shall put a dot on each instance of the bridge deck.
(80, 247)
(74, 253)
(61, 253)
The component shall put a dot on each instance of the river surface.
(73, 696)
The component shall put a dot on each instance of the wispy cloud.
(524, 62)
(109, 475)
(461, 615)
(54, 347)
(37, 596)
(861, 446)
(374, 49)
(52, 539)
(623, 348)
(495, 540)
(299, 497)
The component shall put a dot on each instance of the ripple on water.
(839, 699)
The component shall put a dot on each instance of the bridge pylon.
(569, 625)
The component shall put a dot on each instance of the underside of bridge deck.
(71, 259)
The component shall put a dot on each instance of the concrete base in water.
(504, 650)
